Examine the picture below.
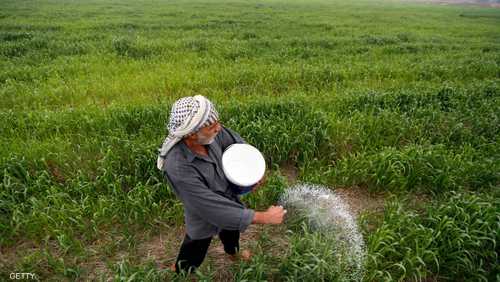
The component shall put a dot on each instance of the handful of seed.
(325, 212)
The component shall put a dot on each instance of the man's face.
(206, 135)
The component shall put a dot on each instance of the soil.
(359, 199)
(290, 171)
(163, 249)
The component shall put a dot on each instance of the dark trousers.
(193, 252)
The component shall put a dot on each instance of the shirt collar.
(187, 153)
(190, 156)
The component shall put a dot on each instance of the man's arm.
(205, 203)
(220, 211)
(273, 215)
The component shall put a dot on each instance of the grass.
(452, 240)
(393, 96)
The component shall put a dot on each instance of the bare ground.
(359, 199)
(290, 171)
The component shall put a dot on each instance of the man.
(191, 161)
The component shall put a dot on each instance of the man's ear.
(192, 137)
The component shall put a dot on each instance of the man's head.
(205, 135)
(194, 118)
(191, 117)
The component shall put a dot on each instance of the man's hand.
(273, 215)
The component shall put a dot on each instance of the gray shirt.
(210, 203)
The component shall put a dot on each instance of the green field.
(391, 99)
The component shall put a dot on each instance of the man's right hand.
(273, 215)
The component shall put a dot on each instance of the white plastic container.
(243, 164)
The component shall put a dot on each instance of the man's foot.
(244, 255)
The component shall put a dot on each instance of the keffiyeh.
(187, 116)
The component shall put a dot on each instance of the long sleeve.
(200, 200)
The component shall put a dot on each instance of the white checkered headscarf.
(187, 116)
